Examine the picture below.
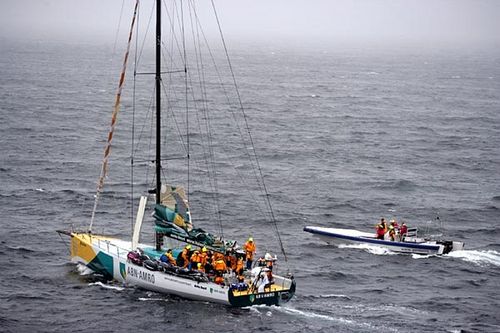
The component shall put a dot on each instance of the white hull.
(171, 284)
(336, 236)
(109, 257)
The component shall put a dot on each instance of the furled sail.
(173, 219)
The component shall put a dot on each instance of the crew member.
(168, 257)
(220, 268)
(403, 231)
(380, 230)
(384, 224)
(231, 260)
(264, 280)
(249, 251)
(392, 233)
(203, 257)
(269, 261)
(195, 259)
(239, 266)
(184, 258)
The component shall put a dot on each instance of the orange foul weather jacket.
(250, 250)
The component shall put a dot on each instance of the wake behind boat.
(410, 243)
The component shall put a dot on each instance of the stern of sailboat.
(275, 294)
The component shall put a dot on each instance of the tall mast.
(158, 110)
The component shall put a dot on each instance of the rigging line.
(133, 127)
(211, 154)
(243, 140)
(148, 114)
(118, 28)
(171, 109)
(178, 48)
(162, 72)
(257, 166)
(186, 95)
(208, 157)
(171, 60)
(180, 136)
(246, 148)
(176, 123)
(151, 128)
(236, 88)
(114, 117)
(172, 30)
(249, 134)
(200, 70)
(146, 33)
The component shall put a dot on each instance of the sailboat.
(137, 263)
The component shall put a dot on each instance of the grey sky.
(355, 21)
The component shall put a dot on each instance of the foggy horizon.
(376, 22)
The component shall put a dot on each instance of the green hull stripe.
(103, 264)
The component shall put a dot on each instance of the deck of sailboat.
(272, 288)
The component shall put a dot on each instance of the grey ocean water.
(345, 136)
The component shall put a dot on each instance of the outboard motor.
(448, 246)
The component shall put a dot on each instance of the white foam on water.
(40, 190)
(147, 299)
(334, 296)
(310, 314)
(370, 248)
(106, 286)
(306, 314)
(343, 321)
(422, 256)
(478, 257)
(83, 270)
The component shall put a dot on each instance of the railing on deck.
(106, 245)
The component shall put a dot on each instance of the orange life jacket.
(239, 265)
(250, 250)
(171, 259)
(185, 256)
(232, 261)
(195, 258)
(203, 258)
(220, 265)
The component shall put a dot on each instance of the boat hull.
(108, 256)
(337, 236)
